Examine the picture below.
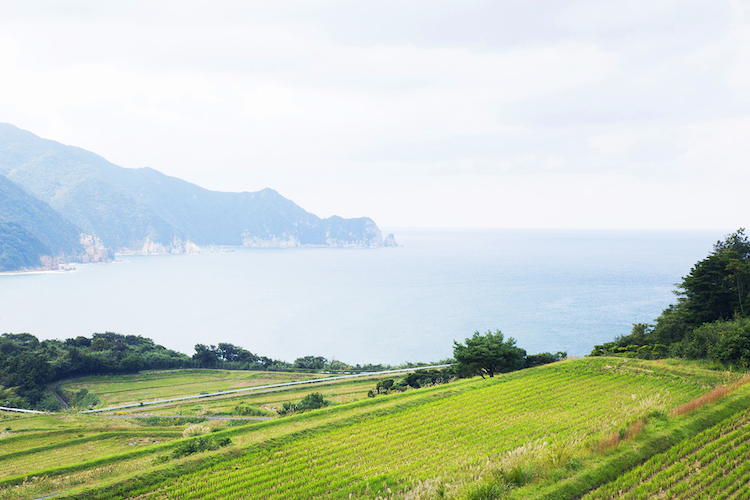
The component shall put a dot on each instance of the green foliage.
(487, 491)
(229, 356)
(84, 399)
(247, 410)
(709, 320)
(198, 445)
(544, 358)
(488, 354)
(49, 402)
(311, 363)
(30, 229)
(10, 399)
(28, 365)
(312, 401)
(19, 249)
(383, 386)
(414, 380)
(156, 421)
(727, 342)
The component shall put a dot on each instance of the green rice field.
(559, 431)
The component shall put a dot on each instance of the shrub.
(84, 399)
(245, 409)
(198, 445)
(49, 402)
(312, 401)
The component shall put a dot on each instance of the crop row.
(453, 437)
(73, 454)
(710, 465)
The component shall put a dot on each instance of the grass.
(153, 385)
(705, 460)
(536, 433)
(464, 436)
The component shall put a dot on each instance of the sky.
(568, 114)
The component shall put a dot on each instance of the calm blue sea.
(551, 290)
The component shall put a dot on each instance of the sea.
(551, 290)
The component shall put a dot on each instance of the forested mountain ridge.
(143, 210)
(33, 235)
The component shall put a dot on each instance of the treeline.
(28, 366)
(232, 357)
(710, 320)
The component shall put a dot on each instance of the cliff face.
(145, 211)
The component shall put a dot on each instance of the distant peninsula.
(61, 204)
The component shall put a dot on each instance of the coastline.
(37, 271)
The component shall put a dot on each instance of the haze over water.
(551, 290)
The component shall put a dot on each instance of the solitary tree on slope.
(488, 354)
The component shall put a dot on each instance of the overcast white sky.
(437, 113)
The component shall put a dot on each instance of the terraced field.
(549, 424)
(712, 465)
(459, 438)
(147, 386)
(78, 450)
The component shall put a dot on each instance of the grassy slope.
(460, 439)
(147, 386)
(442, 437)
(711, 464)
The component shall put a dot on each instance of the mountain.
(143, 210)
(33, 235)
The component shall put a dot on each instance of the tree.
(310, 363)
(708, 322)
(717, 287)
(206, 356)
(488, 354)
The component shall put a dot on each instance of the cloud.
(496, 101)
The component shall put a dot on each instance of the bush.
(312, 401)
(245, 409)
(198, 445)
(84, 399)
(49, 402)
(732, 342)
(384, 386)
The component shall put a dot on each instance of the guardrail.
(258, 387)
(5, 408)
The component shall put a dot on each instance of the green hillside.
(710, 465)
(124, 206)
(19, 249)
(556, 431)
(32, 229)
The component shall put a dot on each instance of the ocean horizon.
(551, 290)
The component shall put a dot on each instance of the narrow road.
(262, 387)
